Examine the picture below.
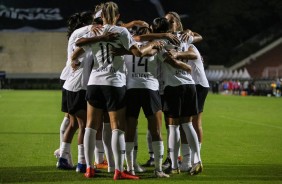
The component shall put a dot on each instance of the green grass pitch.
(242, 141)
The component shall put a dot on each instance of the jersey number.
(109, 57)
(145, 64)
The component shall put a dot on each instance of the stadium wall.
(32, 54)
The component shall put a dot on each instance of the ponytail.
(73, 22)
(110, 11)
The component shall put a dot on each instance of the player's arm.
(197, 37)
(139, 23)
(189, 54)
(177, 63)
(75, 63)
(91, 40)
(152, 36)
(188, 34)
(147, 49)
(122, 51)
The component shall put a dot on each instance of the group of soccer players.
(111, 73)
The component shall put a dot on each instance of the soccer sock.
(193, 141)
(174, 144)
(179, 150)
(65, 150)
(186, 154)
(158, 147)
(81, 157)
(89, 145)
(149, 142)
(64, 125)
(118, 145)
(107, 140)
(135, 150)
(129, 146)
(70, 159)
(99, 152)
(167, 144)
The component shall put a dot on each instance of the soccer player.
(175, 26)
(202, 88)
(142, 85)
(76, 21)
(106, 87)
(180, 103)
(190, 37)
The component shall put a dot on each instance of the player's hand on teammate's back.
(75, 64)
(158, 45)
(185, 35)
(110, 36)
(97, 29)
(172, 38)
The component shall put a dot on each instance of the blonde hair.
(110, 11)
(177, 18)
(98, 7)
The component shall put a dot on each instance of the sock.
(64, 125)
(174, 144)
(70, 159)
(118, 145)
(167, 144)
(193, 141)
(186, 154)
(129, 146)
(158, 147)
(65, 150)
(149, 142)
(81, 157)
(89, 146)
(179, 150)
(135, 150)
(99, 152)
(107, 141)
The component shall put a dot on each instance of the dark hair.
(160, 25)
(98, 20)
(79, 20)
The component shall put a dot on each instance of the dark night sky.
(226, 24)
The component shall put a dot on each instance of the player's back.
(109, 69)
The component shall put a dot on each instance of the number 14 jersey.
(141, 72)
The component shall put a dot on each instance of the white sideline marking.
(246, 121)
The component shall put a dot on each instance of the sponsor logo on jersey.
(140, 75)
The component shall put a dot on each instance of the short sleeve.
(126, 39)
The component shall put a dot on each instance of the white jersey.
(66, 71)
(107, 69)
(198, 71)
(78, 79)
(78, 33)
(141, 72)
(172, 76)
